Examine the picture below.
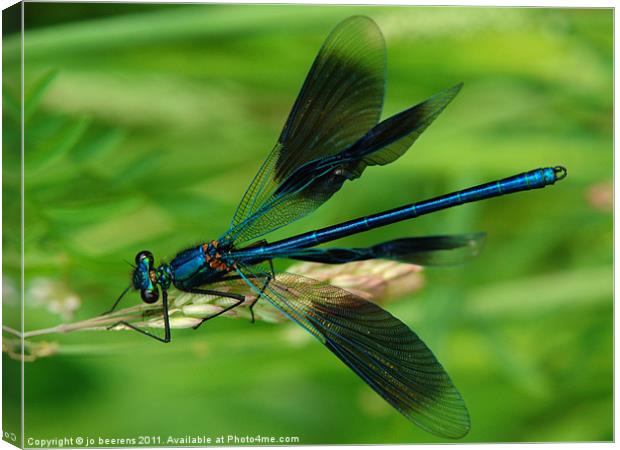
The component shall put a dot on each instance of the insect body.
(333, 133)
(190, 268)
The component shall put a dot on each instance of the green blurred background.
(144, 125)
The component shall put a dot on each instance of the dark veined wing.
(340, 100)
(313, 183)
(424, 251)
(379, 348)
(391, 138)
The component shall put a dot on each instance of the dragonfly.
(332, 134)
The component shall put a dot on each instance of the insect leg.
(166, 337)
(267, 277)
(118, 300)
(240, 299)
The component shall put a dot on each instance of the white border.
(545, 3)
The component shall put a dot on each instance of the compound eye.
(145, 254)
(149, 295)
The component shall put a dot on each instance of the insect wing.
(391, 138)
(383, 351)
(340, 100)
(424, 251)
(332, 133)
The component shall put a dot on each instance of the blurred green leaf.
(46, 151)
(97, 147)
(35, 93)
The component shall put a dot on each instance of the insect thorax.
(199, 265)
(165, 275)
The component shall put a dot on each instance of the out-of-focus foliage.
(145, 125)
